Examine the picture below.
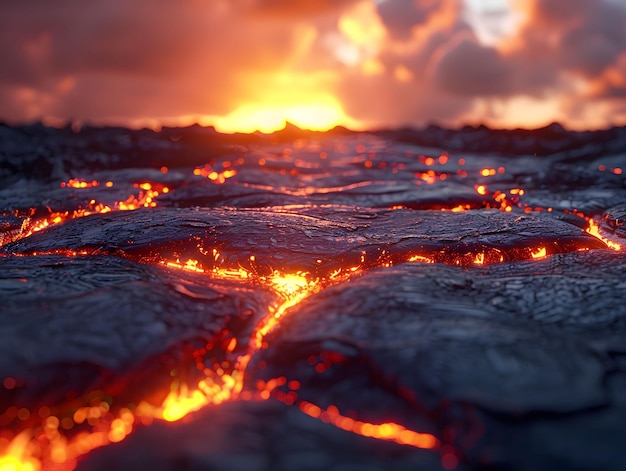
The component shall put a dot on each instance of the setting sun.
(314, 114)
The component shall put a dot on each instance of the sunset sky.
(243, 65)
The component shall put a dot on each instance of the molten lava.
(145, 198)
(63, 439)
(386, 431)
(595, 231)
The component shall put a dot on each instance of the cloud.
(401, 16)
(584, 36)
(565, 55)
(380, 63)
(404, 89)
(470, 69)
(302, 9)
(131, 58)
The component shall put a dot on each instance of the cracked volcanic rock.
(440, 280)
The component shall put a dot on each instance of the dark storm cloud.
(400, 16)
(471, 69)
(586, 35)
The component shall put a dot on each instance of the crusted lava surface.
(412, 299)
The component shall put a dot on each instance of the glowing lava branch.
(541, 252)
(594, 230)
(144, 199)
(47, 446)
(218, 385)
(387, 431)
(506, 204)
(293, 288)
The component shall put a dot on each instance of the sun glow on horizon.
(315, 114)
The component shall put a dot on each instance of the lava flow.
(47, 445)
(145, 198)
(56, 436)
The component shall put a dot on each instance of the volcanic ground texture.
(406, 300)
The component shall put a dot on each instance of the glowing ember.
(17, 455)
(290, 284)
(420, 258)
(215, 176)
(539, 253)
(461, 207)
(191, 265)
(76, 183)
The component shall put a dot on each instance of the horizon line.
(78, 125)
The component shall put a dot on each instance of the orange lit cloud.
(252, 64)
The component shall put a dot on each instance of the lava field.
(403, 299)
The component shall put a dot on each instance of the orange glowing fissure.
(293, 288)
(145, 198)
(595, 231)
(386, 431)
(47, 446)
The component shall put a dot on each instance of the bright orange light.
(191, 265)
(420, 258)
(460, 208)
(290, 284)
(180, 403)
(541, 252)
(386, 431)
(595, 231)
(16, 456)
(317, 112)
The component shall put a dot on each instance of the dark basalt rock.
(90, 322)
(263, 436)
(614, 221)
(427, 317)
(317, 241)
(467, 349)
(513, 363)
